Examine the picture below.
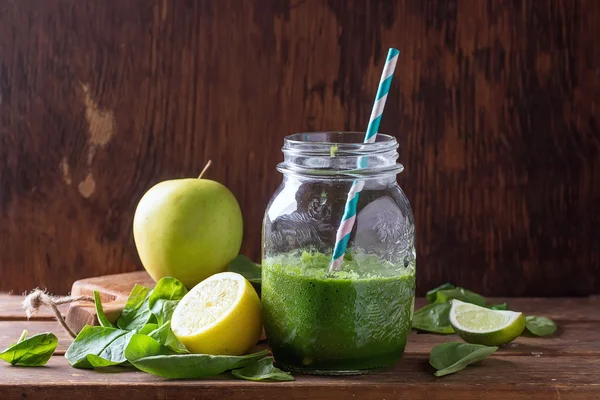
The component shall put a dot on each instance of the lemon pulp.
(220, 315)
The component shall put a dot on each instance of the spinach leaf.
(164, 298)
(448, 358)
(146, 306)
(245, 267)
(431, 295)
(444, 296)
(98, 346)
(166, 337)
(447, 292)
(100, 311)
(262, 370)
(433, 318)
(501, 306)
(148, 355)
(540, 326)
(167, 289)
(136, 313)
(146, 329)
(96, 361)
(34, 351)
(248, 269)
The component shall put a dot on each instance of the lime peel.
(480, 325)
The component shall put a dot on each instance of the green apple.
(189, 229)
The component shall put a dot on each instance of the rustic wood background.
(495, 103)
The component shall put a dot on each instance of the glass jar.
(352, 320)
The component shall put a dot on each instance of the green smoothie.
(349, 321)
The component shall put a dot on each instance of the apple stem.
(207, 166)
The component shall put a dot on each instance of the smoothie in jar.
(352, 320)
(326, 318)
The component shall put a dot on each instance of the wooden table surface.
(563, 366)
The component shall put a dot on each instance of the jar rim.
(347, 145)
(347, 142)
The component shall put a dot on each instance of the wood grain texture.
(514, 377)
(112, 287)
(11, 310)
(495, 105)
(560, 367)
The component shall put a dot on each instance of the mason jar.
(329, 319)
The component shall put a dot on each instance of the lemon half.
(221, 315)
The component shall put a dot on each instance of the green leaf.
(136, 313)
(163, 310)
(140, 318)
(98, 346)
(164, 298)
(34, 351)
(96, 361)
(262, 370)
(245, 267)
(166, 337)
(540, 326)
(444, 296)
(248, 269)
(501, 306)
(150, 356)
(100, 311)
(433, 318)
(146, 329)
(448, 358)
(431, 295)
(167, 288)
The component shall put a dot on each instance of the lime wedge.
(481, 325)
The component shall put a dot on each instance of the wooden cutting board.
(113, 289)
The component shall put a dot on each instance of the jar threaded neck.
(339, 155)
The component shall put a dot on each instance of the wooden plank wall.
(495, 103)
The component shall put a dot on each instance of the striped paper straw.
(343, 233)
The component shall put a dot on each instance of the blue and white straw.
(345, 229)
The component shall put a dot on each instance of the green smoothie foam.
(350, 320)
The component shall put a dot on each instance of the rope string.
(39, 298)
